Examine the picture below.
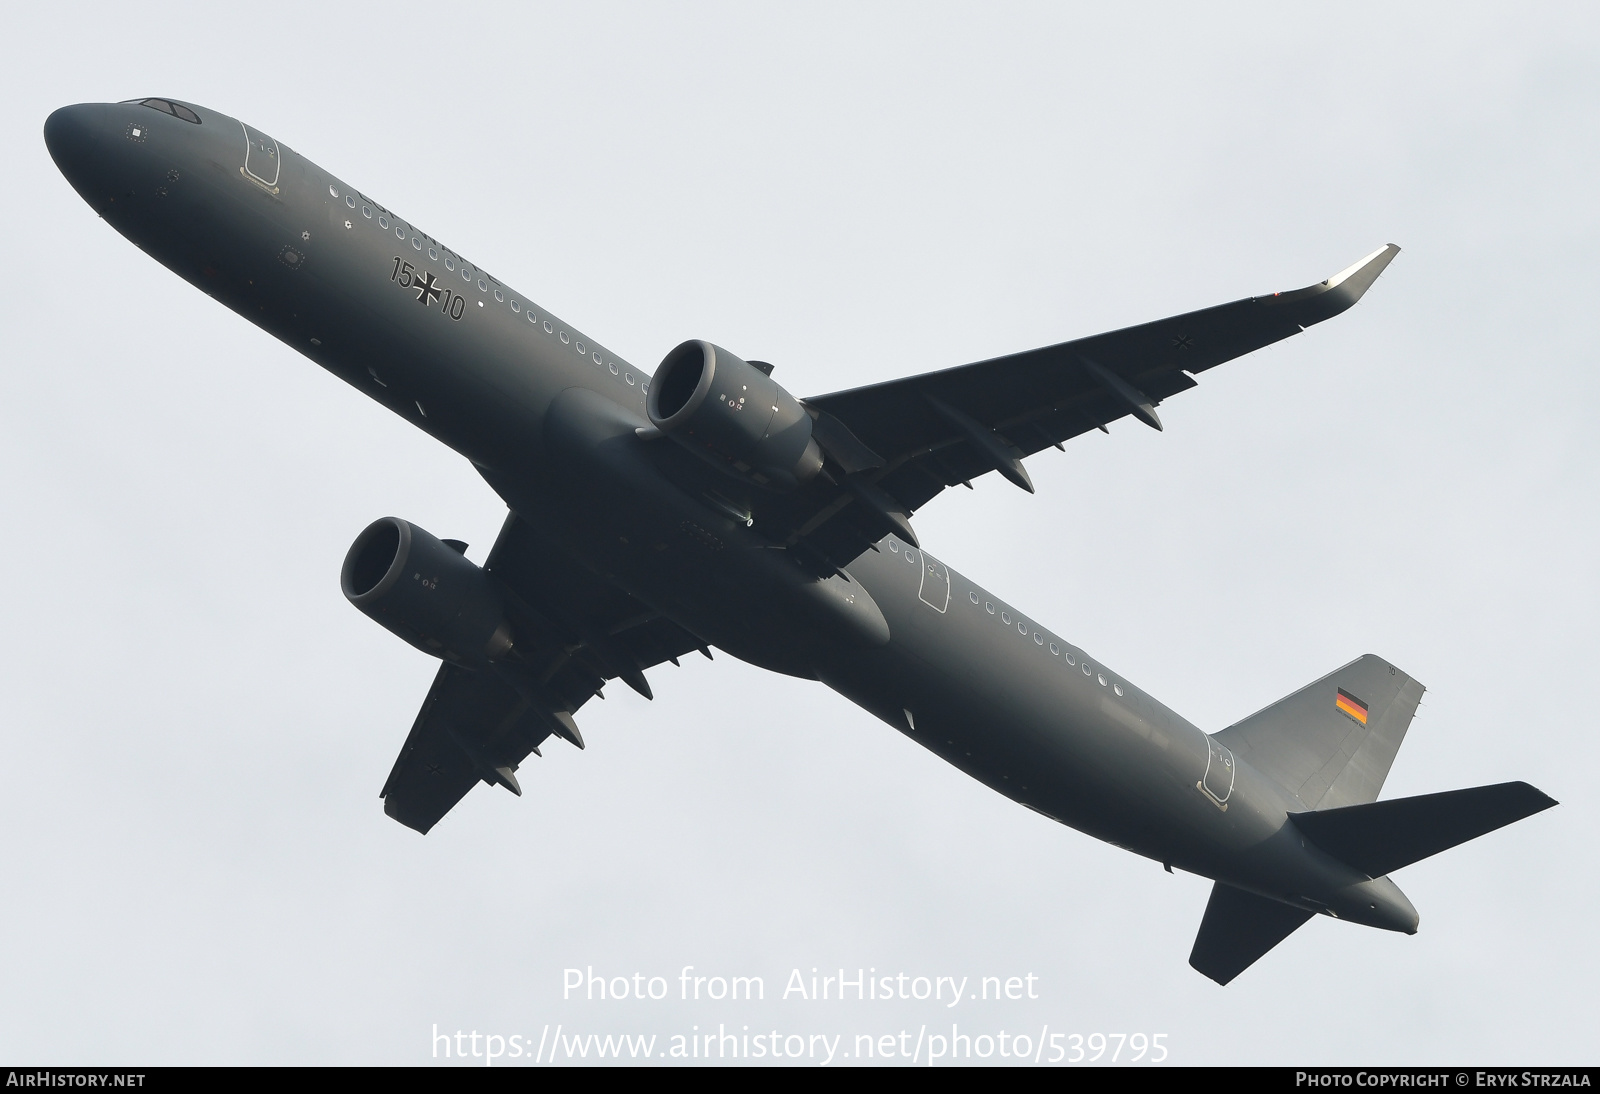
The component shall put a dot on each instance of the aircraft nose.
(75, 136)
(69, 133)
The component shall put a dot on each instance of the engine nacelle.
(425, 591)
(733, 414)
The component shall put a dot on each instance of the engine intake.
(425, 591)
(734, 415)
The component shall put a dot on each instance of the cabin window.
(972, 597)
(515, 306)
(383, 222)
(466, 275)
(350, 200)
(988, 607)
(416, 243)
(499, 297)
(1117, 688)
(1055, 650)
(433, 254)
(533, 318)
(548, 329)
(1022, 628)
(483, 286)
(366, 211)
(449, 263)
(333, 191)
(399, 232)
(1005, 617)
(1038, 639)
(894, 547)
(613, 367)
(1087, 671)
(597, 361)
(581, 350)
(1102, 679)
(564, 338)
(1071, 660)
(627, 376)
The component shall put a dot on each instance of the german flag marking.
(1351, 706)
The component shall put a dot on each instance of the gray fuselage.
(550, 418)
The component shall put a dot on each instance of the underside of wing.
(472, 728)
(910, 439)
(574, 632)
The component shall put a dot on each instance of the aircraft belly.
(599, 489)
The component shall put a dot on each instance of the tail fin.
(1238, 929)
(1380, 837)
(1332, 743)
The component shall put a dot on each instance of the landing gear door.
(935, 588)
(261, 159)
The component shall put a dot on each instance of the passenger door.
(935, 588)
(261, 159)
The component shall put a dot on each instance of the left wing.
(574, 631)
(906, 440)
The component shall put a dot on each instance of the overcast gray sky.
(195, 725)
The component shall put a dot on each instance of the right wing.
(574, 631)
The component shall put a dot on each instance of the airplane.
(655, 514)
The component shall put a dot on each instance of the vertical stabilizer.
(1331, 743)
(1238, 929)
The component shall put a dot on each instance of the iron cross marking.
(1183, 341)
(427, 290)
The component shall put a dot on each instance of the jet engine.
(424, 590)
(731, 413)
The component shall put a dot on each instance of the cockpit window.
(177, 110)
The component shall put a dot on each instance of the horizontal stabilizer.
(1381, 837)
(1238, 929)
